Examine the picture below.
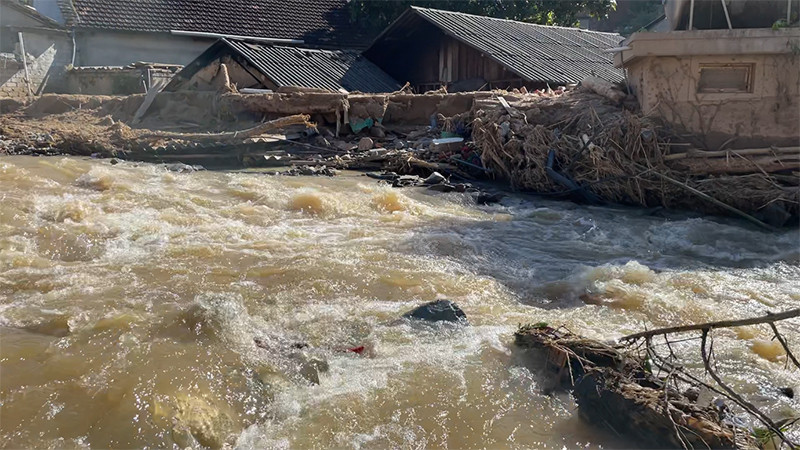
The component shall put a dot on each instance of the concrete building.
(739, 87)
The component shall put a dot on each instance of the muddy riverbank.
(575, 144)
(131, 297)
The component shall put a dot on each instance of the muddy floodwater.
(130, 298)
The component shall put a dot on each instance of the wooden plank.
(148, 100)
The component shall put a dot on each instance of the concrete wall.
(667, 86)
(114, 80)
(48, 52)
(109, 48)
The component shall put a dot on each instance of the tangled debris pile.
(616, 390)
(585, 146)
(637, 390)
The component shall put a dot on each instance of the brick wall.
(12, 78)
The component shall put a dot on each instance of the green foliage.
(375, 15)
(639, 14)
(766, 437)
(780, 23)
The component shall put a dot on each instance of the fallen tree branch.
(768, 318)
(784, 344)
(749, 407)
(297, 119)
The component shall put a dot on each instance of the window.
(724, 78)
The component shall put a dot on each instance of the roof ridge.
(419, 8)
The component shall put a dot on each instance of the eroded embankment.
(576, 144)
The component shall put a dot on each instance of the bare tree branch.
(739, 399)
(784, 344)
(769, 318)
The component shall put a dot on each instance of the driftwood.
(739, 164)
(711, 199)
(604, 88)
(283, 122)
(616, 385)
(615, 389)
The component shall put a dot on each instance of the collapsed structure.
(250, 65)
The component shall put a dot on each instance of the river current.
(131, 300)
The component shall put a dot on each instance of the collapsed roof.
(283, 66)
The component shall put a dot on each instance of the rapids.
(130, 298)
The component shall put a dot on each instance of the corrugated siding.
(534, 52)
(324, 69)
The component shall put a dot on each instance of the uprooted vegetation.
(645, 389)
(579, 145)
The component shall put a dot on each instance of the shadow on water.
(545, 242)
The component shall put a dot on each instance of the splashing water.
(130, 299)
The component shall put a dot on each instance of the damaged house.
(727, 71)
(104, 42)
(34, 51)
(430, 48)
(253, 65)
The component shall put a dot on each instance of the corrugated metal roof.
(324, 69)
(534, 52)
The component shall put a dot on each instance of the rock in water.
(438, 311)
(434, 178)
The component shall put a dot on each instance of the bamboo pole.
(727, 16)
(711, 199)
(744, 151)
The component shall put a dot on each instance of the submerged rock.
(485, 198)
(183, 168)
(434, 178)
(438, 311)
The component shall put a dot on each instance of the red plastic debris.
(358, 350)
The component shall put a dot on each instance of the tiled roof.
(301, 67)
(323, 23)
(534, 52)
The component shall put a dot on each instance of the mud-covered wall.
(769, 114)
(114, 80)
